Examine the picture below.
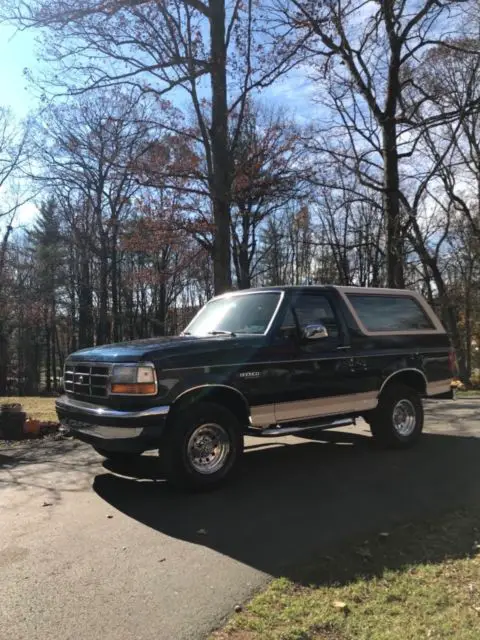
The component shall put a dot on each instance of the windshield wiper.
(219, 332)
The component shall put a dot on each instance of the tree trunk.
(73, 311)
(244, 280)
(3, 358)
(4, 340)
(391, 204)
(102, 326)
(85, 306)
(120, 304)
(129, 319)
(48, 362)
(241, 257)
(115, 314)
(162, 308)
(448, 308)
(54, 354)
(468, 331)
(220, 188)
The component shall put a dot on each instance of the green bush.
(475, 379)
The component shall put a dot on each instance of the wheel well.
(217, 394)
(410, 378)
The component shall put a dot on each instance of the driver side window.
(316, 309)
(308, 309)
(288, 329)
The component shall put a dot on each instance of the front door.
(317, 376)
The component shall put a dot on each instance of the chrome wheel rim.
(208, 448)
(404, 418)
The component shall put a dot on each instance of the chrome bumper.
(69, 405)
(90, 421)
(105, 433)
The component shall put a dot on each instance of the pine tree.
(47, 250)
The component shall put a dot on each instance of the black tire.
(117, 456)
(182, 458)
(389, 426)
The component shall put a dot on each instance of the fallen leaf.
(342, 606)
(384, 534)
(47, 504)
(109, 516)
(202, 532)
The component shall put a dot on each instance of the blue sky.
(17, 51)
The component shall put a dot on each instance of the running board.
(286, 430)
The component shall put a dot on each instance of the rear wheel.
(397, 422)
(203, 447)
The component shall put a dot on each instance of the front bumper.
(112, 429)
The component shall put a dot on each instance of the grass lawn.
(37, 408)
(419, 581)
(471, 393)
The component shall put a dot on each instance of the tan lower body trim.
(265, 415)
(438, 387)
(321, 407)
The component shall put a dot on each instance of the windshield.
(235, 314)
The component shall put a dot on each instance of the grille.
(86, 379)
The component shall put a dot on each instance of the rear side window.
(390, 313)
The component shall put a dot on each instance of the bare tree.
(452, 78)
(365, 53)
(350, 224)
(89, 151)
(13, 158)
(270, 171)
(207, 49)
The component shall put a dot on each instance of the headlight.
(133, 380)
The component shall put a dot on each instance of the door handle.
(344, 347)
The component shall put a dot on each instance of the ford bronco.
(263, 362)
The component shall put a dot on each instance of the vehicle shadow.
(295, 502)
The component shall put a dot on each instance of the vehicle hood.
(167, 351)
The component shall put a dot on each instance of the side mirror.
(314, 332)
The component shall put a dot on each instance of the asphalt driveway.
(93, 551)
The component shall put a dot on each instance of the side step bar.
(286, 430)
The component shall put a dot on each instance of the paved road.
(93, 552)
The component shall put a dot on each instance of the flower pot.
(12, 419)
(32, 427)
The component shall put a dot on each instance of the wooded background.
(167, 168)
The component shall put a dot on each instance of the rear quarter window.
(390, 313)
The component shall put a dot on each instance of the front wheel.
(203, 447)
(397, 422)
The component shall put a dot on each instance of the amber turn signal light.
(134, 389)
